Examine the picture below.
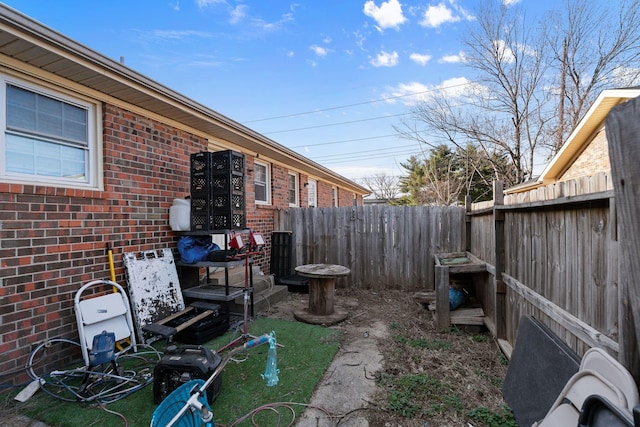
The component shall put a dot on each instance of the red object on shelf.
(236, 242)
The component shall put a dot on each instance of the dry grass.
(429, 377)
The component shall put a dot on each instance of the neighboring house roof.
(581, 136)
(25, 44)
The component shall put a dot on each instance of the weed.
(481, 338)
(399, 339)
(492, 419)
(503, 359)
(400, 403)
(408, 391)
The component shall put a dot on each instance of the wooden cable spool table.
(322, 285)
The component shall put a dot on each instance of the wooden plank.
(602, 196)
(569, 322)
(424, 297)
(506, 347)
(467, 312)
(464, 320)
(622, 129)
(442, 298)
(500, 307)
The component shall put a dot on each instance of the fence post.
(500, 287)
(622, 128)
(467, 218)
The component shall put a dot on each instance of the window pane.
(75, 123)
(35, 113)
(49, 121)
(260, 181)
(21, 108)
(20, 155)
(261, 174)
(292, 189)
(261, 193)
(43, 158)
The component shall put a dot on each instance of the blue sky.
(326, 78)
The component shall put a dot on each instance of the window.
(311, 193)
(334, 196)
(46, 137)
(292, 188)
(262, 182)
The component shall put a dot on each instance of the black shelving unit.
(195, 288)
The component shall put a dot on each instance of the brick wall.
(593, 159)
(54, 240)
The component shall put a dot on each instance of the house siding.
(54, 239)
(593, 159)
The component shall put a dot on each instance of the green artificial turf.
(306, 353)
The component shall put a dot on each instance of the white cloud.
(385, 59)
(504, 52)
(319, 50)
(272, 26)
(206, 3)
(435, 16)
(176, 35)
(357, 172)
(510, 2)
(420, 58)
(407, 93)
(414, 92)
(290, 54)
(527, 50)
(622, 76)
(387, 15)
(360, 39)
(452, 59)
(438, 15)
(238, 13)
(457, 87)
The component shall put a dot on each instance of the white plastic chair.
(599, 374)
(109, 312)
(598, 360)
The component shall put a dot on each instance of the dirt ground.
(426, 378)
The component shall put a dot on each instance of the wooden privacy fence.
(552, 253)
(386, 247)
(556, 253)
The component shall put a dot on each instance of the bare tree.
(500, 112)
(595, 45)
(382, 186)
(533, 82)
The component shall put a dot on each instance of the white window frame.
(267, 182)
(296, 190)
(93, 150)
(334, 196)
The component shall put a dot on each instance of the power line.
(336, 124)
(344, 140)
(389, 150)
(377, 156)
(388, 98)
